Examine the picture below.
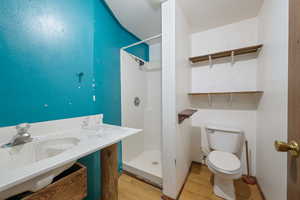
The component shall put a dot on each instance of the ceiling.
(143, 17)
(206, 14)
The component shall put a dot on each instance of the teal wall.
(43, 45)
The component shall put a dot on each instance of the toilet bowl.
(223, 159)
(226, 167)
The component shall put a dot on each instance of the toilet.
(224, 159)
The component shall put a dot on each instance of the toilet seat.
(225, 162)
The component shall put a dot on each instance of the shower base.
(146, 166)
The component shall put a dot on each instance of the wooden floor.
(133, 189)
(197, 187)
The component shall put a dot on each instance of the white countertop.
(90, 141)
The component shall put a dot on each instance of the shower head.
(140, 62)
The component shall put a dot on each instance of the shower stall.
(141, 108)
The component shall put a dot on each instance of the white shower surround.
(142, 153)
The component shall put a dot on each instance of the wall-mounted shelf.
(185, 114)
(229, 53)
(225, 93)
(230, 94)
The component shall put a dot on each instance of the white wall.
(155, 52)
(176, 74)
(223, 76)
(169, 118)
(272, 111)
(183, 77)
(226, 37)
(152, 115)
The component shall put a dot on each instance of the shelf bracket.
(230, 99)
(232, 58)
(210, 61)
(209, 100)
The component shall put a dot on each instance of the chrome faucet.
(21, 137)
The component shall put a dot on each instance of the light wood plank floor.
(133, 189)
(198, 187)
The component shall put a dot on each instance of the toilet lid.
(224, 161)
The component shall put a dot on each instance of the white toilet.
(224, 159)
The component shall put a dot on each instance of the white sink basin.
(53, 147)
(32, 166)
(23, 155)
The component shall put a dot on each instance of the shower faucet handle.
(85, 122)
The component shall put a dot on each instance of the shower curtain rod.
(143, 41)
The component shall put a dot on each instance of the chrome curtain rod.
(143, 41)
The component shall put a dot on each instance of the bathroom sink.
(53, 147)
(33, 152)
(32, 166)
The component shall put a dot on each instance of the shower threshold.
(146, 166)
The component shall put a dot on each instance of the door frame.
(293, 164)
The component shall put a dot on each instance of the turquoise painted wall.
(43, 45)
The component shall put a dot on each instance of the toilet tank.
(225, 139)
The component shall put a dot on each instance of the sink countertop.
(90, 141)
